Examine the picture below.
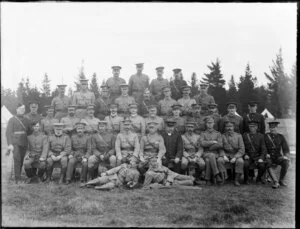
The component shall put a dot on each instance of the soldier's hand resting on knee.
(176, 160)
(70, 156)
(103, 174)
(233, 160)
(101, 157)
(260, 160)
(246, 157)
(268, 156)
(142, 159)
(226, 159)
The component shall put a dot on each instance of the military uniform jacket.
(102, 106)
(237, 120)
(47, 125)
(61, 103)
(37, 143)
(176, 88)
(186, 105)
(127, 142)
(152, 145)
(191, 146)
(159, 120)
(259, 118)
(91, 124)
(58, 145)
(156, 86)
(113, 123)
(277, 145)
(255, 146)
(69, 122)
(122, 174)
(123, 103)
(233, 145)
(104, 142)
(81, 146)
(114, 86)
(211, 135)
(165, 106)
(199, 122)
(32, 119)
(138, 124)
(144, 107)
(180, 124)
(173, 144)
(204, 99)
(16, 133)
(217, 118)
(138, 83)
(83, 99)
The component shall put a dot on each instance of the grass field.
(217, 206)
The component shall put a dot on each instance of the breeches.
(211, 167)
(185, 161)
(31, 162)
(72, 165)
(63, 162)
(238, 165)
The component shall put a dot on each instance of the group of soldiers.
(144, 133)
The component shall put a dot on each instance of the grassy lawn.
(217, 206)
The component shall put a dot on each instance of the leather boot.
(40, 175)
(236, 179)
(219, 178)
(29, 174)
(62, 176)
(91, 172)
(49, 174)
(222, 175)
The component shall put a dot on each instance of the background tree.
(261, 98)
(94, 86)
(216, 85)
(194, 90)
(232, 93)
(81, 75)
(246, 90)
(21, 91)
(46, 90)
(279, 88)
(293, 84)
(9, 99)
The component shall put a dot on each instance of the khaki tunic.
(165, 106)
(60, 106)
(91, 124)
(127, 145)
(191, 146)
(156, 86)
(237, 120)
(47, 125)
(123, 103)
(82, 100)
(69, 122)
(114, 86)
(114, 124)
(137, 85)
(37, 143)
(186, 105)
(138, 125)
(159, 120)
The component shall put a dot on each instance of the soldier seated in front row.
(160, 174)
(103, 151)
(113, 120)
(35, 161)
(137, 121)
(127, 143)
(255, 152)
(276, 142)
(174, 146)
(192, 151)
(81, 151)
(124, 174)
(211, 144)
(58, 149)
(232, 153)
(152, 145)
(152, 116)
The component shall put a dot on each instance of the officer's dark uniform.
(176, 85)
(259, 118)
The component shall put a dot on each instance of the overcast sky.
(55, 37)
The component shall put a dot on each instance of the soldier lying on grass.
(125, 174)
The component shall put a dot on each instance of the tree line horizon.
(278, 96)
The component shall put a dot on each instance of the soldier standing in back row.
(138, 83)
(145, 103)
(165, 105)
(186, 101)
(70, 120)
(157, 84)
(113, 120)
(198, 118)
(61, 102)
(254, 116)
(177, 84)
(113, 83)
(83, 98)
(232, 117)
(102, 103)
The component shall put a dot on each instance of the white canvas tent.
(5, 116)
(267, 114)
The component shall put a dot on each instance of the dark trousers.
(279, 161)
(250, 163)
(18, 154)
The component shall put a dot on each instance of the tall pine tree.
(216, 85)
(46, 90)
(194, 90)
(81, 75)
(279, 87)
(232, 93)
(94, 86)
(293, 84)
(246, 91)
